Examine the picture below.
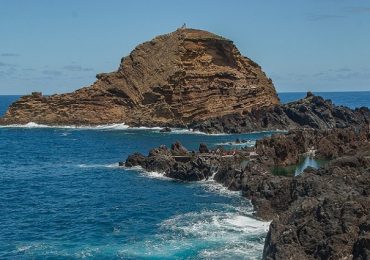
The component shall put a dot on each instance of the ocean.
(62, 195)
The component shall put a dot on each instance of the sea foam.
(215, 234)
(112, 165)
(109, 127)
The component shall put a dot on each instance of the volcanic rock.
(321, 214)
(287, 149)
(171, 80)
(310, 112)
(327, 215)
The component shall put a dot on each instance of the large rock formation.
(173, 79)
(321, 214)
(309, 112)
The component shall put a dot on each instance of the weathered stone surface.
(287, 149)
(178, 163)
(326, 214)
(320, 214)
(172, 80)
(310, 112)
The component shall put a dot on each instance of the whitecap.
(215, 225)
(241, 250)
(194, 132)
(112, 165)
(155, 175)
(87, 252)
(23, 248)
(120, 126)
(28, 125)
(34, 246)
(214, 234)
(209, 185)
(149, 174)
(248, 143)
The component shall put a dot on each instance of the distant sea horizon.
(351, 99)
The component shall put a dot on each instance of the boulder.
(178, 149)
(203, 148)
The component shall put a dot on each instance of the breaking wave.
(113, 165)
(108, 127)
(214, 234)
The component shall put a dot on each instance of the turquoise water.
(63, 196)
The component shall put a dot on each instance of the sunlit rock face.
(173, 79)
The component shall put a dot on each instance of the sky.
(59, 46)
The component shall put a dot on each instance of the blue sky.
(59, 46)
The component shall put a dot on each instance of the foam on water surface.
(214, 234)
(112, 165)
(112, 127)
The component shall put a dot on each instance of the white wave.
(118, 126)
(24, 248)
(123, 126)
(28, 125)
(242, 250)
(33, 246)
(194, 132)
(155, 175)
(249, 143)
(113, 165)
(216, 225)
(83, 127)
(214, 234)
(149, 174)
(209, 185)
(215, 187)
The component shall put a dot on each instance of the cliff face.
(171, 80)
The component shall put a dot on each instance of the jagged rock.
(171, 80)
(321, 214)
(178, 163)
(327, 211)
(136, 159)
(178, 149)
(195, 169)
(203, 148)
(287, 149)
(311, 112)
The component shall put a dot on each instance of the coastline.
(232, 177)
(273, 196)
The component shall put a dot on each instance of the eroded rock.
(310, 112)
(171, 80)
(321, 214)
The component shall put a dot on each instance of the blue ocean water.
(349, 99)
(62, 195)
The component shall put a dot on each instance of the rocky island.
(184, 76)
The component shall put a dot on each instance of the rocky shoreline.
(310, 112)
(322, 213)
(197, 80)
